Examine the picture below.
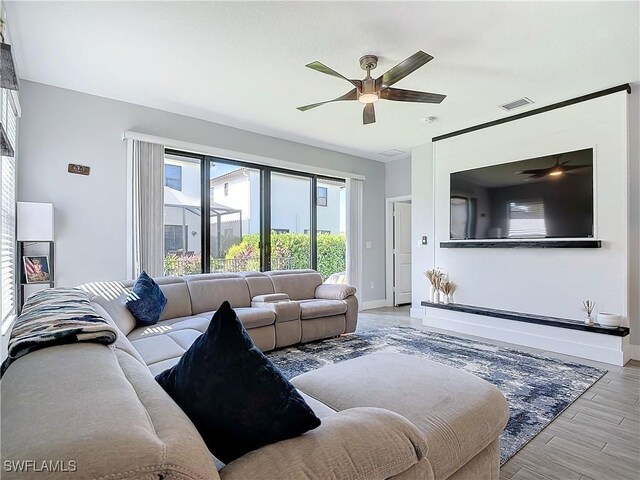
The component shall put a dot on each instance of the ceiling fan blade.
(568, 168)
(533, 172)
(368, 114)
(540, 174)
(351, 95)
(400, 95)
(403, 69)
(322, 68)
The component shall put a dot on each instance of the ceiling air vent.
(394, 152)
(521, 102)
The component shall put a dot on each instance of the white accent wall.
(543, 281)
(61, 126)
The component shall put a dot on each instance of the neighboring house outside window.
(281, 230)
(173, 176)
(322, 196)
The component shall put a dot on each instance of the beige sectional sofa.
(278, 309)
(90, 411)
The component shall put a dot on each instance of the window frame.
(265, 204)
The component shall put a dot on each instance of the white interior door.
(401, 253)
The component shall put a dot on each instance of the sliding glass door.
(331, 244)
(290, 221)
(182, 215)
(228, 216)
(234, 218)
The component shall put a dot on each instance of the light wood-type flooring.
(596, 438)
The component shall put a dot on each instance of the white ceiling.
(242, 63)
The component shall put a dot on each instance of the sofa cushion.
(457, 425)
(334, 292)
(112, 296)
(252, 317)
(100, 408)
(146, 301)
(258, 283)
(355, 444)
(236, 397)
(298, 284)
(209, 290)
(161, 345)
(321, 308)
(256, 317)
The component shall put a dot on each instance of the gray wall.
(61, 126)
(398, 177)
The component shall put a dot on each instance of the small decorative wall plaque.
(78, 169)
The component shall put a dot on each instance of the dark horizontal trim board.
(530, 318)
(536, 111)
(524, 244)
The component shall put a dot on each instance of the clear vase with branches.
(588, 307)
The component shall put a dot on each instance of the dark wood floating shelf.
(530, 318)
(523, 244)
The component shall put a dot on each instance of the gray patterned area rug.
(538, 388)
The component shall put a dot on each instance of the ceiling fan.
(370, 90)
(560, 168)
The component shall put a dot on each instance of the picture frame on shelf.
(36, 268)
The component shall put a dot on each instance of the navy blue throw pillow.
(146, 301)
(237, 399)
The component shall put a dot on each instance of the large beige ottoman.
(460, 414)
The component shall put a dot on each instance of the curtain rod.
(235, 155)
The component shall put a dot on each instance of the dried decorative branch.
(434, 275)
(437, 282)
(587, 307)
(447, 287)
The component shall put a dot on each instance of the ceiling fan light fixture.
(368, 98)
(555, 173)
(369, 90)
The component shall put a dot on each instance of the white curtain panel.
(147, 204)
(354, 200)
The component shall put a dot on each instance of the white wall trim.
(234, 155)
(389, 245)
(373, 304)
(602, 348)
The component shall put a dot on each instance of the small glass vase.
(445, 299)
(588, 320)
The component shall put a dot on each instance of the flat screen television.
(544, 197)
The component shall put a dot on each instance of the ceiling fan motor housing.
(368, 86)
(368, 62)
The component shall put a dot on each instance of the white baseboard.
(374, 304)
(594, 346)
(634, 352)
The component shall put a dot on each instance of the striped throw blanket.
(56, 316)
